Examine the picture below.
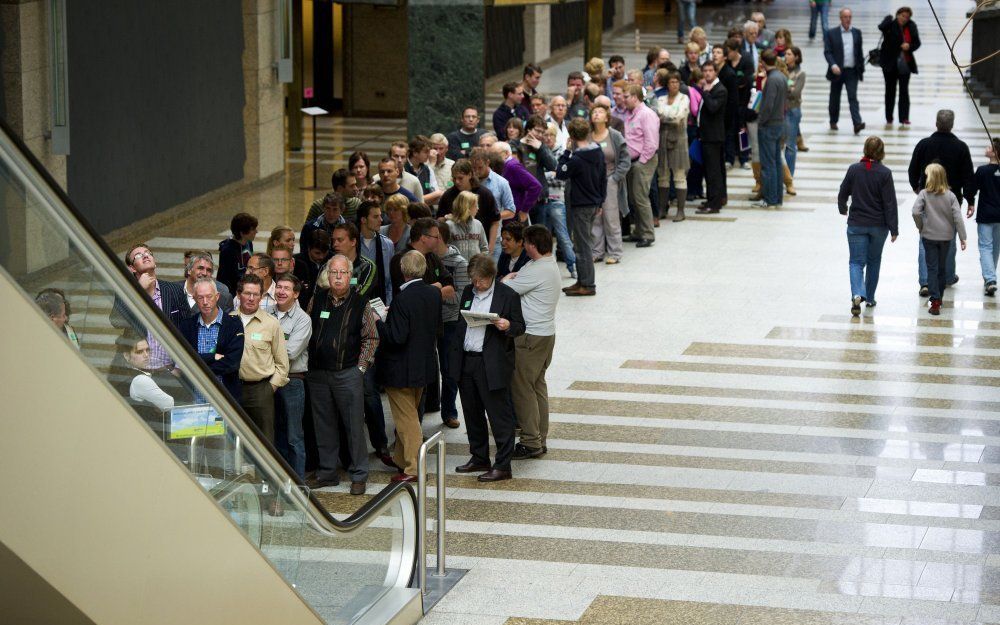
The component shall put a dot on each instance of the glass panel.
(340, 574)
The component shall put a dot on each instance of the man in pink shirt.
(642, 134)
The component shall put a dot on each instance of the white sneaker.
(729, 165)
(758, 204)
(745, 165)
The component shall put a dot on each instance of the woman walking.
(900, 40)
(607, 228)
(872, 217)
(793, 105)
(937, 215)
(673, 109)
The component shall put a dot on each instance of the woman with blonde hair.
(467, 233)
(283, 237)
(595, 69)
(937, 215)
(872, 218)
(398, 228)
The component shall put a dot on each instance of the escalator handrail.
(92, 246)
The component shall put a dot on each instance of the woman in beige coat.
(673, 109)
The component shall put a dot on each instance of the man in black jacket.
(217, 337)
(734, 120)
(407, 358)
(953, 154)
(482, 362)
(846, 60)
(582, 166)
(712, 127)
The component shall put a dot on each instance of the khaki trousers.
(409, 437)
(533, 355)
(640, 177)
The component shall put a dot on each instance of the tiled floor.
(728, 446)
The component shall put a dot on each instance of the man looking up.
(342, 348)
(290, 400)
(264, 366)
(461, 141)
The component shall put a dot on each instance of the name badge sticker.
(354, 282)
(324, 314)
(256, 336)
(465, 145)
(467, 304)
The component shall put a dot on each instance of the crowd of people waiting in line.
(389, 262)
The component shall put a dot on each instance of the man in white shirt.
(842, 48)
(290, 400)
(538, 283)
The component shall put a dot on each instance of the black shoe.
(495, 475)
(952, 283)
(990, 289)
(870, 304)
(856, 305)
(833, 125)
(859, 127)
(521, 452)
(545, 449)
(924, 290)
(318, 483)
(472, 467)
(643, 243)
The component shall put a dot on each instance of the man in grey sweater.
(771, 127)
(538, 285)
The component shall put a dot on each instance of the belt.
(299, 376)
(473, 354)
(636, 158)
(256, 381)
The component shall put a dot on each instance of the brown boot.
(682, 195)
(755, 192)
(789, 183)
(800, 144)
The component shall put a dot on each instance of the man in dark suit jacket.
(223, 354)
(167, 296)
(406, 361)
(712, 126)
(482, 361)
(846, 68)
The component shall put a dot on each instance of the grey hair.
(750, 25)
(413, 265)
(50, 303)
(945, 120)
(482, 266)
(503, 147)
(205, 280)
(195, 258)
(324, 273)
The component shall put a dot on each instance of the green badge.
(286, 335)
(256, 336)
(467, 304)
(325, 314)
(450, 184)
(354, 282)
(437, 272)
(427, 186)
(465, 145)
(532, 156)
(604, 144)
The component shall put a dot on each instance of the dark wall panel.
(504, 38)
(568, 23)
(156, 104)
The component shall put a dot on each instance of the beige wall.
(263, 113)
(102, 511)
(376, 44)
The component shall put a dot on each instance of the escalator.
(133, 512)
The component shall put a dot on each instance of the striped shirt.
(158, 357)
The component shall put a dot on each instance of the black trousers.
(936, 253)
(480, 403)
(891, 77)
(715, 173)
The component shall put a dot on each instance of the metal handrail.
(92, 248)
(437, 439)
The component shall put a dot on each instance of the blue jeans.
(849, 78)
(374, 415)
(555, 220)
(685, 17)
(949, 263)
(289, 405)
(823, 11)
(769, 143)
(865, 244)
(989, 250)
(793, 117)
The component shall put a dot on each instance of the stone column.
(537, 33)
(263, 111)
(624, 12)
(445, 48)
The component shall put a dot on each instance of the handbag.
(875, 53)
(694, 151)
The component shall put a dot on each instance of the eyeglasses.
(139, 255)
(340, 272)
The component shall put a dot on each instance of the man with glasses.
(284, 262)
(341, 350)
(168, 297)
(262, 266)
(461, 141)
(345, 243)
(198, 265)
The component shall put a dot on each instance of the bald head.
(502, 148)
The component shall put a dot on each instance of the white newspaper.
(379, 307)
(478, 320)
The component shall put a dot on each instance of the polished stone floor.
(728, 445)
